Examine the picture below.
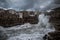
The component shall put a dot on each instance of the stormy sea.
(28, 31)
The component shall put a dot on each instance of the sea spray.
(31, 32)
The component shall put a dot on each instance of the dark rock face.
(7, 19)
(54, 35)
(11, 17)
(55, 18)
(55, 21)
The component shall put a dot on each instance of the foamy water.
(29, 31)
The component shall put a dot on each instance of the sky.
(28, 4)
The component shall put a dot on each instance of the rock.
(55, 17)
(45, 37)
(10, 17)
(55, 21)
(54, 35)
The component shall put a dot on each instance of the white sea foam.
(29, 31)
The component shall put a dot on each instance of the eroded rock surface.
(11, 17)
(55, 21)
(54, 35)
(55, 18)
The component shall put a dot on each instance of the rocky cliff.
(55, 21)
(10, 17)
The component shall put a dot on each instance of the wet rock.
(10, 17)
(54, 35)
(45, 37)
(55, 21)
(55, 17)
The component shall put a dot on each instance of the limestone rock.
(55, 18)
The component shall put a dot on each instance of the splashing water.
(29, 31)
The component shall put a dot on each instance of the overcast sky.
(28, 4)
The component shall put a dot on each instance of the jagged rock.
(55, 17)
(54, 35)
(55, 21)
(45, 37)
(11, 17)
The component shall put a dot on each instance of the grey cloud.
(28, 4)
